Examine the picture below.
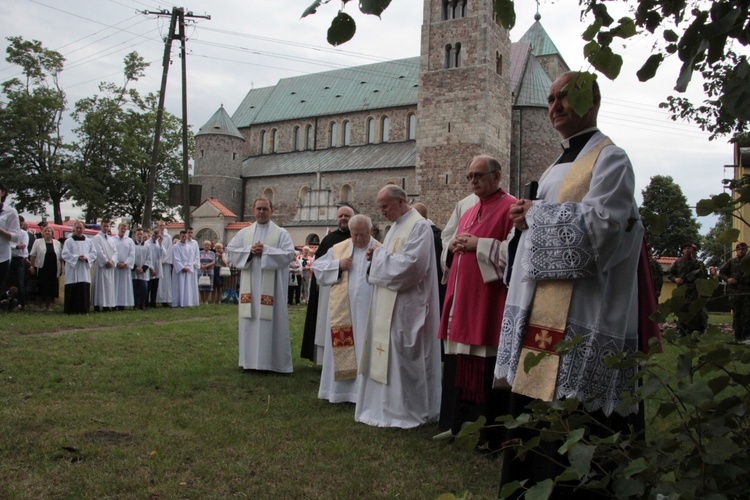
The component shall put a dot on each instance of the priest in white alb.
(125, 261)
(263, 252)
(400, 362)
(345, 294)
(184, 294)
(103, 287)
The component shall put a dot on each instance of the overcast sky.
(254, 43)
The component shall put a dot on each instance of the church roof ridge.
(541, 43)
(220, 123)
(222, 209)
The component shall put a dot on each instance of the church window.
(312, 239)
(346, 193)
(385, 129)
(499, 63)
(448, 56)
(234, 156)
(202, 151)
(463, 7)
(295, 139)
(334, 130)
(412, 127)
(309, 138)
(268, 193)
(304, 196)
(370, 131)
(274, 141)
(263, 143)
(446, 9)
(457, 63)
(347, 133)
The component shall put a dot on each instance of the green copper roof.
(374, 86)
(541, 43)
(530, 82)
(220, 123)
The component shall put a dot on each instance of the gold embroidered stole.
(549, 308)
(342, 329)
(268, 277)
(395, 242)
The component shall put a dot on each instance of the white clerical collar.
(566, 142)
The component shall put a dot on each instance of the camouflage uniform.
(690, 271)
(739, 297)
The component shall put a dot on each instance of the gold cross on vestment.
(543, 339)
(380, 349)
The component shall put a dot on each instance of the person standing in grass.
(263, 252)
(184, 282)
(125, 248)
(103, 288)
(78, 253)
(345, 294)
(400, 384)
(156, 251)
(738, 290)
(141, 274)
(10, 231)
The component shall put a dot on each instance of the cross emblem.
(543, 339)
(380, 349)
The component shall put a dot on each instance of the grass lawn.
(152, 405)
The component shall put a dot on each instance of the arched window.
(206, 234)
(457, 63)
(263, 145)
(309, 138)
(296, 142)
(448, 56)
(411, 127)
(303, 196)
(385, 129)
(446, 9)
(346, 194)
(275, 141)
(312, 239)
(347, 133)
(268, 193)
(370, 131)
(334, 130)
(463, 7)
(499, 63)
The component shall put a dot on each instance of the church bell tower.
(464, 99)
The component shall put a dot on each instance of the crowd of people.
(428, 326)
(136, 268)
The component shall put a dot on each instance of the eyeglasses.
(476, 175)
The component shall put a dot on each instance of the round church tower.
(218, 160)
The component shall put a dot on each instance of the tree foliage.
(706, 36)
(33, 156)
(113, 151)
(667, 217)
(718, 242)
(105, 169)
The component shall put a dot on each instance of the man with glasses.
(738, 290)
(470, 323)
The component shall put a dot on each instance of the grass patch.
(152, 405)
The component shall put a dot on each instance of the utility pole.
(177, 17)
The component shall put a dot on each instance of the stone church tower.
(218, 160)
(464, 100)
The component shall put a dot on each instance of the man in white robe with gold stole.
(263, 252)
(345, 294)
(575, 274)
(400, 362)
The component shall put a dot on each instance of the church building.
(311, 143)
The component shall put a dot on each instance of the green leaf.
(736, 98)
(373, 7)
(590, 49)
(506, 12)
(592, 30)
(510, 488)
(606, 62)
(626, 488)
(573, 438)
(342, 29)
(719, 449)
(635, 467)
(648, 70)
(581, 95)
(580, 457)
(626, 28)
(696, 394)
(671, 36)
(706, 287)
(728, 237)
(666, 409)
(718, 384)
(313, 8)
(540, 491)
(531, 360)
(468, 428)
(705, 207)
